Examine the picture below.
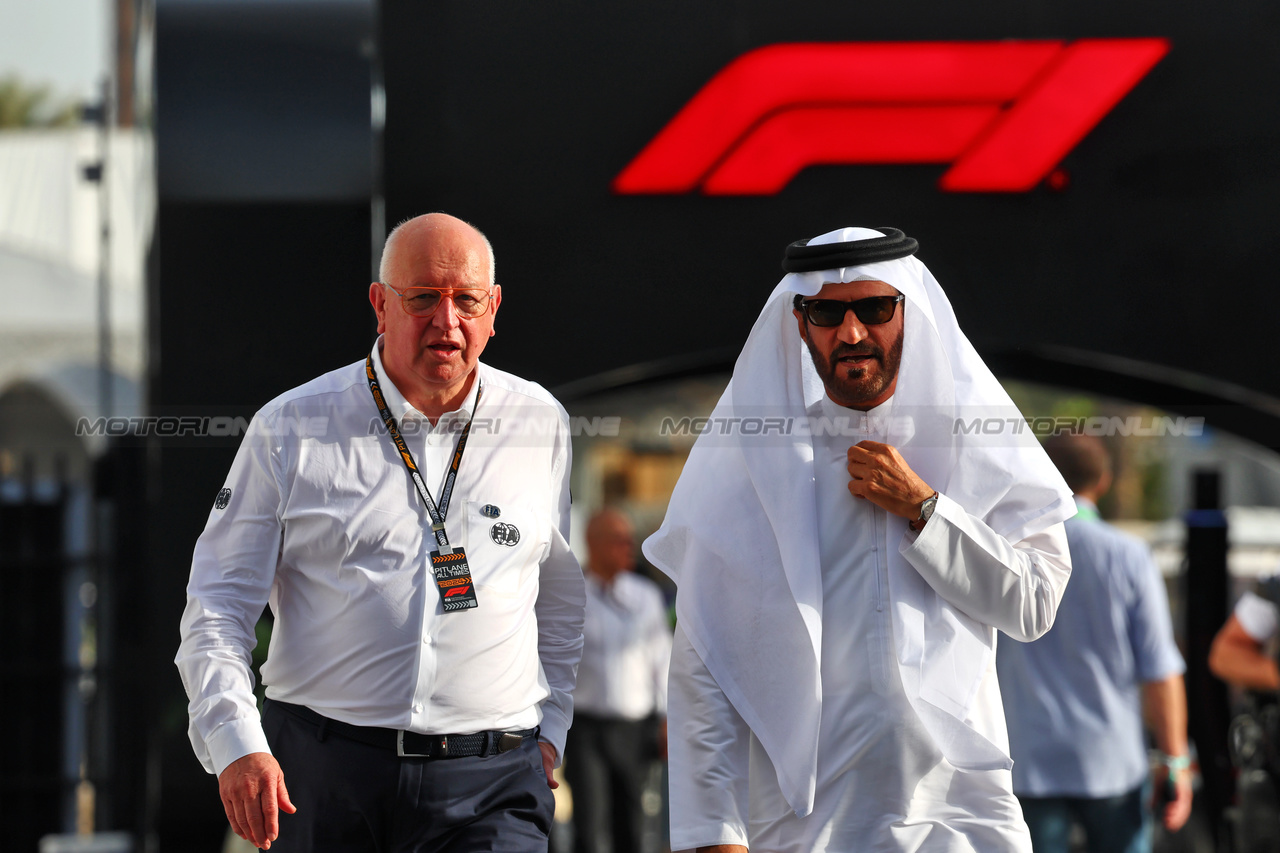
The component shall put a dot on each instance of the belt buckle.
(400, 753)
(509, 741)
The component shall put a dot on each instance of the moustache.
(861, 349)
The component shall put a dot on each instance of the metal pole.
(377, 125)
(105, 389)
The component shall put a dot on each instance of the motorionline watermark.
(763, 426)
(1102, 426)
(184, 426)
(318, 426)
(903, 425)
(579, 425)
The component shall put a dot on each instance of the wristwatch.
(926, 512)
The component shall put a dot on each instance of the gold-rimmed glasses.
(423, 301)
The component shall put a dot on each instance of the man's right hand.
(253, 793)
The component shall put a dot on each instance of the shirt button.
(417, 709)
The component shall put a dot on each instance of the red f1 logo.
(1003, 114)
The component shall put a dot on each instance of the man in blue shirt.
(1074, 699)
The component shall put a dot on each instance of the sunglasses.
(872, 311)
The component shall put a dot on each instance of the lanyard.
(437, 513)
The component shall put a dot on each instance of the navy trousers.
(353, 797)
(1119, 824)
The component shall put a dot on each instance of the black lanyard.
(437, 514)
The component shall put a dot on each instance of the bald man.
(622, 689)
(428, 610)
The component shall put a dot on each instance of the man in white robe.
(847, 536)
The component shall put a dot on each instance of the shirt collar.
(830, 407)
(1085, 508)
(404, 410)
(876, 423)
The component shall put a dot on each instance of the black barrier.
(1208, 716)
(34, 566)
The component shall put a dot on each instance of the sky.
(62, 43)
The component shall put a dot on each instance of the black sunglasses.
(871, 311)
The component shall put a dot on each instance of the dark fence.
(35, 680)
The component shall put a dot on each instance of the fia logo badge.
(504, 534)
(490, 511)
(224, 498)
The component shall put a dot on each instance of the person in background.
(620, 702)
(1239, 652)
(1243, 655)
(1075, 697)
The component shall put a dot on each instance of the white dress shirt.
(625, 651)
(319, 518)
(882, 782)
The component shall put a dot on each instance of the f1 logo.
(1003, 114)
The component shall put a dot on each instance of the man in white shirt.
(1239, 653)
(622, 690)
(407, 519)
(847, 536)
(1243, 654)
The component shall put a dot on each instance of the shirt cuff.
(553, 730)
(691, 838)
(927, 540)
(234, 740)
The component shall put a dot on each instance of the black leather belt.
(412, 744)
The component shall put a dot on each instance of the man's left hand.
(879, 474)
(548, 762)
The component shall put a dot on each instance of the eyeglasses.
(423, 301)
(872, 311)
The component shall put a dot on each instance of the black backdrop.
(518, 116)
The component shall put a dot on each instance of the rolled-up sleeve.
(1155, 654)
(1013, 586)
(1257, 616)
(232, 572)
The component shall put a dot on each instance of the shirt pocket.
(505, 543)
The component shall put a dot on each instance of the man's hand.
(548, 762)
(879, 474)
(1178, 809)
(1164, 707)
(253, 793)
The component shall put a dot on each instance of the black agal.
(801, 257)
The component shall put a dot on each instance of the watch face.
(926, 508)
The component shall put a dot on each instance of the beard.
(855, 387)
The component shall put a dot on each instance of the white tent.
(50, 250)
